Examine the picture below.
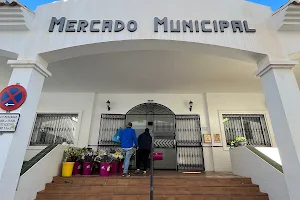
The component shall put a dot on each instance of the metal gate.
(161, 122)
(189, 143)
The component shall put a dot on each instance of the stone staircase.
(165, 188)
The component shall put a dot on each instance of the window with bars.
(253, 127)
(54, 129)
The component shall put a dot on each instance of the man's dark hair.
(129, 124)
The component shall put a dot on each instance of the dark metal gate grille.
(189, 143)
(54, 129)
(252, 127)
(108, 127)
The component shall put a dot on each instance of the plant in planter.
(88, 156)
(105, 160)
(238, 141)
(117, 161)
(69, 159)
(78, 164)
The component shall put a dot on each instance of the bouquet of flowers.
(88, 155)
(117, 156)
(103, 156)
(72, 154)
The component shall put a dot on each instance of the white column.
(283, 101)
(30, 75)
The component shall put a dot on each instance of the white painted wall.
(218, 103)
(35, 179)
(263, 41)
(81, 103)
(32, 151)
(271, 152)
(270, 180)
(207, 106)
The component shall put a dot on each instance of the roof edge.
(15, 3)
(290, 2)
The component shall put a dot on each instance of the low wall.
(270, 180)
(35, 179)
(33, 151)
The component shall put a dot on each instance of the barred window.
(252, 127)
(54, 129)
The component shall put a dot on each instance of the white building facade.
(235, 60)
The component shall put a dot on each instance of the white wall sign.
(9, 122)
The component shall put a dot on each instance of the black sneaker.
(126, 175)
(137, 171)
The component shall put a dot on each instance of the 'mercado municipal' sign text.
(8, 122)
(162, 24)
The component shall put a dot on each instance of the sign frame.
(16, 126)
(12, 97)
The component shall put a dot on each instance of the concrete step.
(96, 180)
(257, 196)
(159, 190)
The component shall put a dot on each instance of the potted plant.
(69, 159)
(88, 156)
(78, 164)
(117, 158)
(105, 160)
(238, 141)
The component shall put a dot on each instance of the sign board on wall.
(9, 122)
(217, 138)
(207, 138)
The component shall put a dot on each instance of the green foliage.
(237, 141)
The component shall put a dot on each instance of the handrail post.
(151, 170)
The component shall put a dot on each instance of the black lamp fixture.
(108, 105)
(191, 105)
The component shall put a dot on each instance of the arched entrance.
(161, 122)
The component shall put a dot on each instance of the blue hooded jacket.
(128, 137)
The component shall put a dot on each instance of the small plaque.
(207, 138)
(9, 122)
(217, 138)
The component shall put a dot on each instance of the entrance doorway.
(161, 122)
(178, 137)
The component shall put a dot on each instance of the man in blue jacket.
(128, 137)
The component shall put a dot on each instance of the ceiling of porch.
(148, 72)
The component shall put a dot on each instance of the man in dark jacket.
(145, 145)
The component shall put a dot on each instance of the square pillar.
(30, 75)
(283, 101)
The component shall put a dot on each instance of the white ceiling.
(152, 72)
(148, 72)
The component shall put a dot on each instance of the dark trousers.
(142, 157)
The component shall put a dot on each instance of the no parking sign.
(12, 97)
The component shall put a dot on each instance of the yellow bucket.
(67, 169)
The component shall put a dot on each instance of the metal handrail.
(151, 170)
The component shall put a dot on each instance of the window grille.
(54, 129)
(252, 127)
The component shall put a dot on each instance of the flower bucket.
(77, 168)
(67, 169)
(120, 167)
(104, 169)
(114, 167)
(157, 156)
(87, 168)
